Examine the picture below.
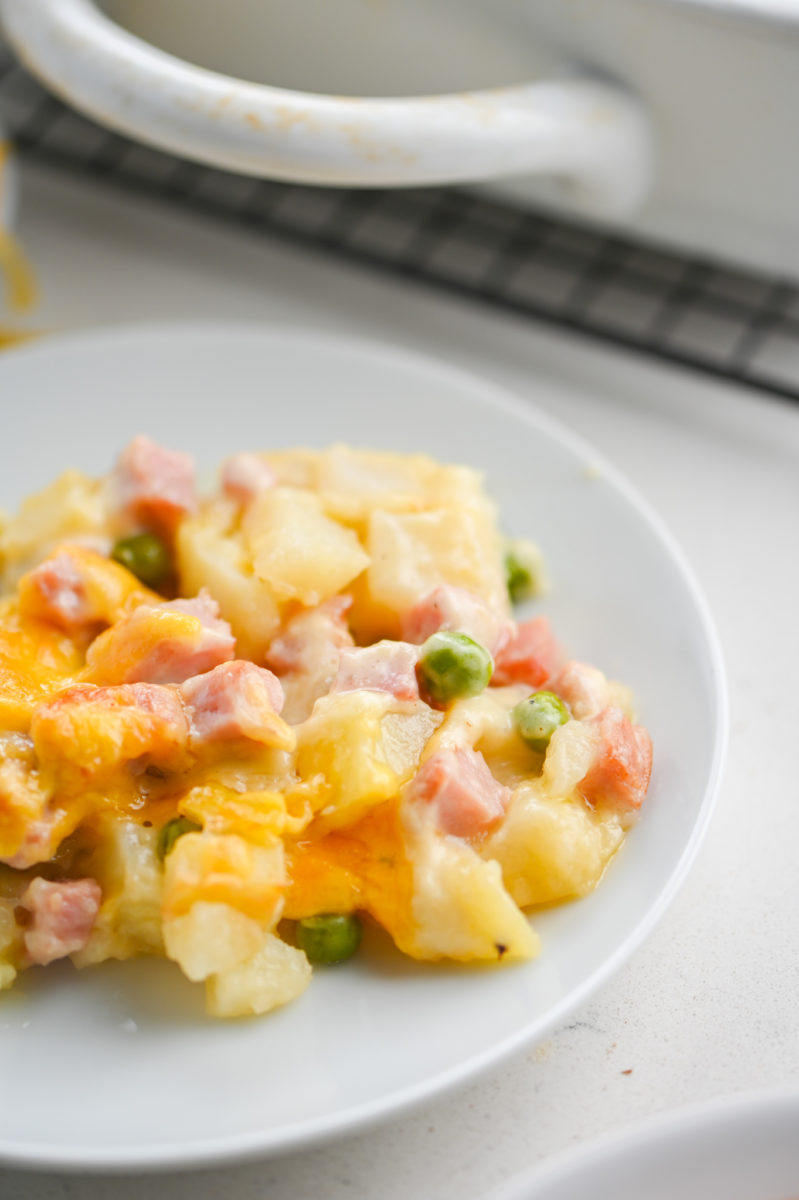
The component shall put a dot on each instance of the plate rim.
(318, 1130)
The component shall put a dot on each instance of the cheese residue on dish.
(15, 268)
(234, 728)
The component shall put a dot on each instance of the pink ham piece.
(63, 916)
(245, 476)
(619, 775)
(319, 633)
(214, 645)
(384, 667)
(530, 657)
(466, 797)
(583, 687)
(456, 610)
(61, 595)
(37, 846)
(204, 608)
(153, 487)
(306, 655)
(148, 646)
(235, 701)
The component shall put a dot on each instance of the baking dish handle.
(590, 134)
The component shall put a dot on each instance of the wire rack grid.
(722, 321)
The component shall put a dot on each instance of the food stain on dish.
(14, 266)
(234, 728)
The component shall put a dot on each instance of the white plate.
(737, 1148)
(117, 1067)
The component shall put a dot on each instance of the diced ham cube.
(152, 486)
(456, 610)
(309, 634)
(530, 657)
(36, 847)
(162, 643)
(306, 654)
(584, 688)
(466, 797)
(202, 606)
(63, 916)
(245, 476)
(57, 591)
(88, 731)
(384, 667)
(233, 702)
(619, 775)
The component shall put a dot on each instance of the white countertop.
(708, 1006)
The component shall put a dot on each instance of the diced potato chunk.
(354, 482)
(294, 468)
(126, 866)
(212, 554)
(551, 849)
(211, 937)
(461, 909)
(301, 553)
(550, 845)
(413, 553)
(361, 746)
(275, 975)
(569, 755)
(71, 508)
(225, 868)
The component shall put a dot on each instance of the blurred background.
(702, 268)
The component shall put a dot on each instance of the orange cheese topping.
(364, 867)
(36, 661)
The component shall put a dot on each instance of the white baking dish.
(671, 115)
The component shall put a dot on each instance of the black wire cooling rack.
(731, 324)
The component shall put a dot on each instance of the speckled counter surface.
(708, 1005)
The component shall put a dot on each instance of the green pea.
(536, 718)
(524, 573)
(170, 833)
(329, 937)
(453, 666)
(146, 556)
